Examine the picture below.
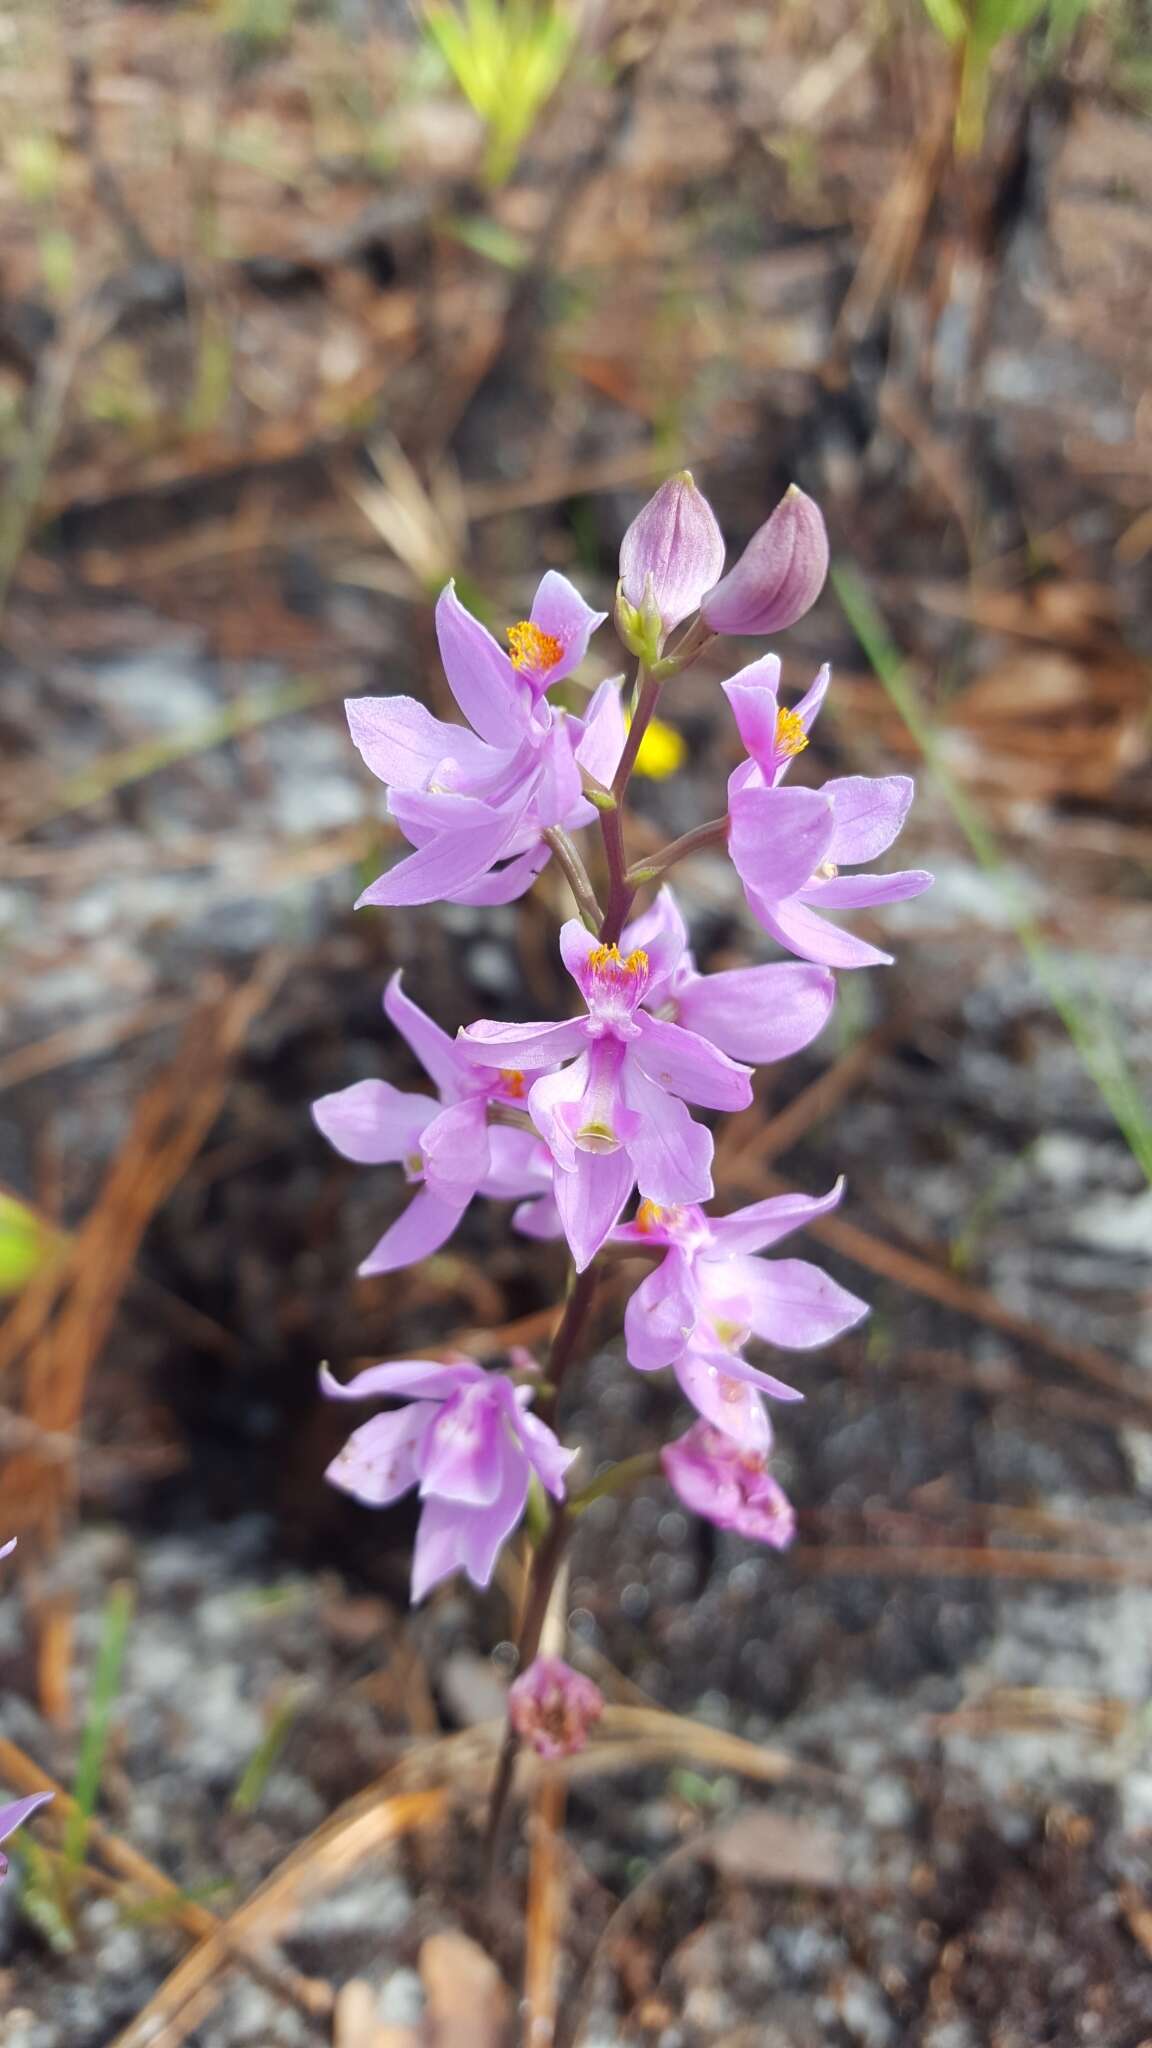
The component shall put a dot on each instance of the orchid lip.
(597, 1138)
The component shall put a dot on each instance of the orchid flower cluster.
(590, 1123)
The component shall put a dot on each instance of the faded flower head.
(552, 1707)
(730, 1485)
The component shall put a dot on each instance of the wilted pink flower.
(778, 577)
(729, 1485)
(671, 554)
(616, 1115)
(469, 796)
(709, 1295)
(446, 1146)
(467, 1441)
(552, 1707)
(14, 1816)
(788, 845)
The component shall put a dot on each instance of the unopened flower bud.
(552, 1707)
(778, 577)
(729, 1485)
(671, 554)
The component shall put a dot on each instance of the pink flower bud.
(553, 1707)
(672, 553)
(730, 1485)
(778, 577)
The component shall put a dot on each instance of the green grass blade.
(118, 1611)
(1093, 1033)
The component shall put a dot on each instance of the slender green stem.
(625, 1472)
(714, 833)
(576, 875)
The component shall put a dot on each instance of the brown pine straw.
(58, 1327)
(547, 1908)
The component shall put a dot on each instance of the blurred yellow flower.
(662, 751)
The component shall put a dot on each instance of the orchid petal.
(753, 696)
(379, 1462)
(374, 1123)
(660, 931)
(455, 1148)
(864, 891)
(489, 1043)
(688, 1065)
(814, 938)
(762, 1224)
(602, 743)
(560, 611)
(453, 1538)
(791, 1303)
(731, 1404)
(779, 837)
(869, 813)
(758, 1014)
(662, 1314)
(490, 693)
(589, 1200)
(438, 1054)
(402, 743)
(463, 1454)
(672, 1154)
(420, 1230)
(435, 871)
(414, 1379)
(546, 1455)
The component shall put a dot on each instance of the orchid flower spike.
(467, 1441)
(616, 1116)
(445, 1144)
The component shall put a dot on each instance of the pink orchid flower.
(446, 1146)
(709, 1295)
(616, 1116)
(470, 796)
(788, 845)
(729, 1485)
(466, 1440)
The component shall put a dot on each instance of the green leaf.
(26, 1245)
(949, 17)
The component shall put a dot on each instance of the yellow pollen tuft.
(533, 648)
(605, 959)
(512, 1081)
(791, 737)
(649, 1216)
